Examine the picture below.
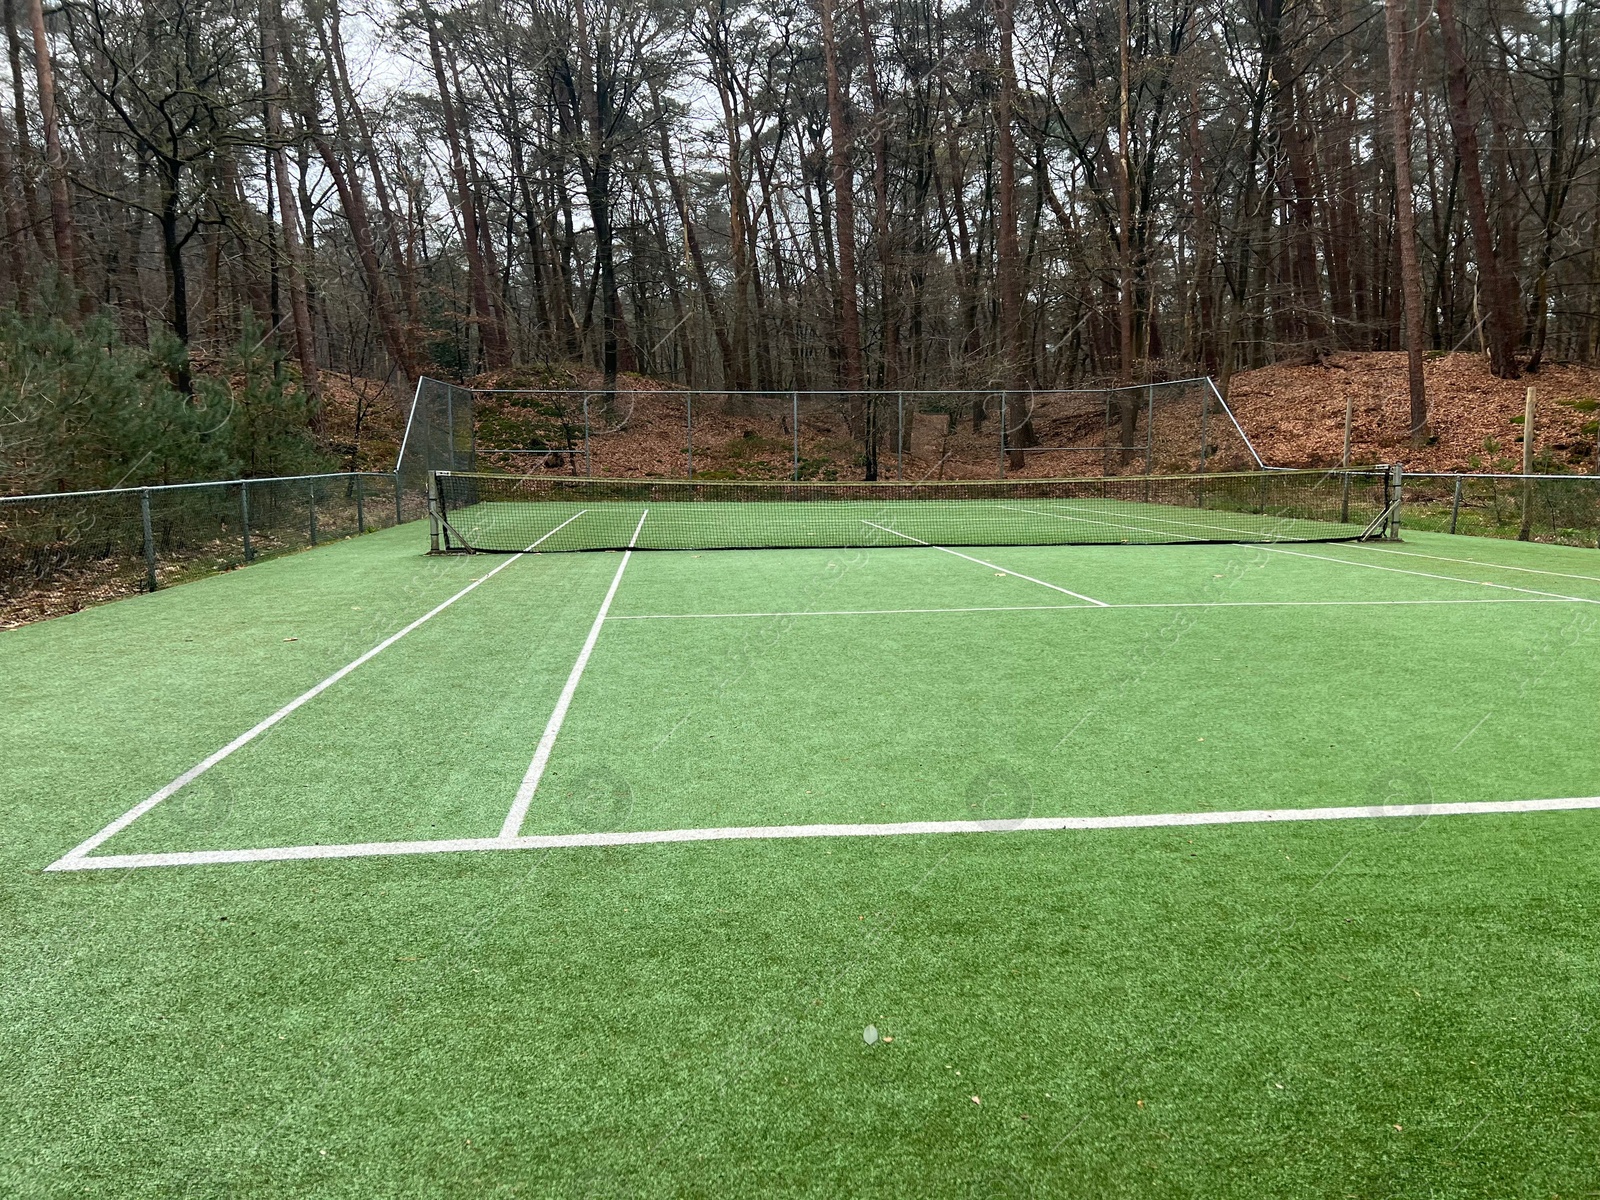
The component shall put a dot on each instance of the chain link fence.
(1562, 509)
(1176, 427)
(63, 552)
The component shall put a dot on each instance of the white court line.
(1505, 587)
(1473, 562)
(990, 565)
(541, 755)
(891, 612)
(250, 735)
(1256, 816)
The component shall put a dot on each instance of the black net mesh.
(513, 513)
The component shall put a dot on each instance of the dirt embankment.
(1294, 414)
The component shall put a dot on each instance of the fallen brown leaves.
(1294, 413)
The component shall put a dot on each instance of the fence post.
(244, 512)
(1002, 433)
(311, 494)
(1525, 533)
(688, 422)
(399, 515)
(1344, 458)
(449, 425)
(588, 461)
(1149, 436)
(1149, 430)
(900, 437)
(794, 401)
(1455, 505)
(149, 540)
(361, 510)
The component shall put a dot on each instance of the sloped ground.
(1294, 414)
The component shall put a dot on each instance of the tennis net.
(479, 512)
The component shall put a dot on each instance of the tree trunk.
(55, 159)
(1502, 319)
(1008, 253)
(299, 310)
(1400, 94)
(491, 335)
(844, 209)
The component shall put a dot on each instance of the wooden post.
(1525, 533)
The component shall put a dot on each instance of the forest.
(214, 211)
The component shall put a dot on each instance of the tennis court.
(1156, 841)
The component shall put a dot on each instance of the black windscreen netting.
(513, 513)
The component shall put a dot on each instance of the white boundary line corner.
(87, 846)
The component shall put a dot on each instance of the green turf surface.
(687, 1020)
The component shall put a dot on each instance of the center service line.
(541, 756)
(990, 565)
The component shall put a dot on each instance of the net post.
(688, 425)
(1002, 433)
(244, 514)
(149, 540)
(900, 437)
(361, 508)
(311, 490)
(794, 401)
(399, 514)
(1394, 483)
(433, 512)
(1455, 504)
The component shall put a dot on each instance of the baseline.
(1255, 816)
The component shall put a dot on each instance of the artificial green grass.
(687, 1020)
